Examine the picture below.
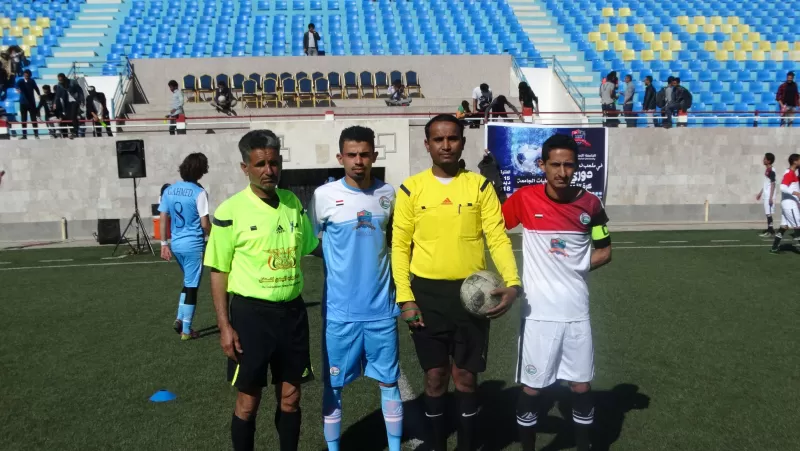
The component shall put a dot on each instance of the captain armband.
(600, 236)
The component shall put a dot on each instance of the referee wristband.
(165, 243)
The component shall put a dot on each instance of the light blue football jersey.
(185, 203)
(353, 225)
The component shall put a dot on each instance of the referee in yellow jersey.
(443, 214)
(257, 242)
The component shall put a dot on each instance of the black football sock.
(583, 416)
(770, 229)
(776, 243)
(289, 430)
(527, 416)
(467, 419)
(243, 433)
(435, 411)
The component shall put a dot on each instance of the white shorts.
(549, 351)
(769, 210)
(790, 214)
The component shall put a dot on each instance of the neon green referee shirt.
(261, 247)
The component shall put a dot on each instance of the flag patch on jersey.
(339, 203)
(447, 201)
(539, 215)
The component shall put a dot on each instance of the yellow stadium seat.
(5, 22)
(1, 32)
(765, 46)
(647, 55)
(37, 31)
(640, 28)
(620, 46)
(26, 49)
(29, 40)
(601, 46)
(15, 31)
(716, 20)
(777, 55)
(740, 55)
(733, 20)
(747, 46)
(649, 36)
(624, 12)
(709, 28)
(628, 55)
(729, 46)
(710, 46)
(608, 12)
(623, 28)
(656, 46)
(782, 46)
(699, 20)
(794, 55)
(675, 46)
(743, 28)
(691, 28)
(612, 36)
(24, 22)
(721, 55)
(666, 36)
(726, 28)
(737, 36)
(604, 28)
(43, 22)
(666, 55)
(758, 55)
(682, 20)
(796, 46)
(594, 36)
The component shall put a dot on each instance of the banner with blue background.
(518, 149)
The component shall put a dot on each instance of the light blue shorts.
(370, 347)
(191, 264)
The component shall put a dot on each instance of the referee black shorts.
(273, 336)
(450, 332)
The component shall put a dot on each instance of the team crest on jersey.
(585, 218)
(558, 247)
(282, 258)
(385, 202)
(530, 369)
(364, 220)
(334, 371)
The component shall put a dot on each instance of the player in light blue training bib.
(353, 216)
(185, 203)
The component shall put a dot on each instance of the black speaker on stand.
(131, 165)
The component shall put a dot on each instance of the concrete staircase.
(550, 39)
(88, 39)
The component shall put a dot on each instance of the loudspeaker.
(108, 231)
(130, 159)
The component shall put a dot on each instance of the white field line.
(80, 265)
(670, 242)
(725, 241)
(60, 260)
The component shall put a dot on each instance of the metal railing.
(89, 68)
(560, 73)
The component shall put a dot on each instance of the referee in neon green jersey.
(257, 241)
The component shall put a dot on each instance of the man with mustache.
(257, 242)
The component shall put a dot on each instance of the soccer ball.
(475, 291)
(221, 100)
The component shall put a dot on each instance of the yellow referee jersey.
(446, 223)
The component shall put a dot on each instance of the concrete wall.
(553, 97)
(439, 76)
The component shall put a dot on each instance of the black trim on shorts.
(222, 222)
(522, 322)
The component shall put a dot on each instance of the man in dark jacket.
(47, 102)
(649, 102)
(488, 168)
(223, 100)
(69, 98)
(97, 110)
(683, 100)
(26, 87)
(788, 99)
(310, 41)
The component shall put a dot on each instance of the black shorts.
(274, 336)
(449, 332)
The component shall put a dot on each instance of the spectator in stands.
(682, 98)
(6, 76)
(176, 107)
(69, 99)
(608, 99)
(310, 40)
(464, 114)
(97, 111)
(397, 95)
(627, 102)
(18, 60)
(481, 98)
(788, 99)
(497, 110)
(223, 100)
(26, 87)
(47, 102)
(527, 98)
(649, 103)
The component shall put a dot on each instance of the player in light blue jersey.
(354, 217)
(185, 206)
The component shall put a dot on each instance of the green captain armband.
(600, 236)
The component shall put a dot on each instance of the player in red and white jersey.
(790, 196)
(561, 223)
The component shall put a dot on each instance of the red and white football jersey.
(557, 248)
(790, 184)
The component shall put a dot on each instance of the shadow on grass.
(498, 425)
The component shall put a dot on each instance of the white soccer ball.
(475, 292)
(221, 99)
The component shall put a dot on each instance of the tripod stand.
(136, 221)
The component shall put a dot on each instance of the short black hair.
(194, 167)
(46, 87)
(559, 141)
(649, 77)
(28, 72)
(311, 25)
(629, 76)
(258, 139)
(164, 188)
(770, 157)
(678, 79)
(444, 118)
(359, 134)
(670, 79)
(791, 72)
(172, 84)
(793, 157)
(484, 87)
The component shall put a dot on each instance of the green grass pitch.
(696, 348)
